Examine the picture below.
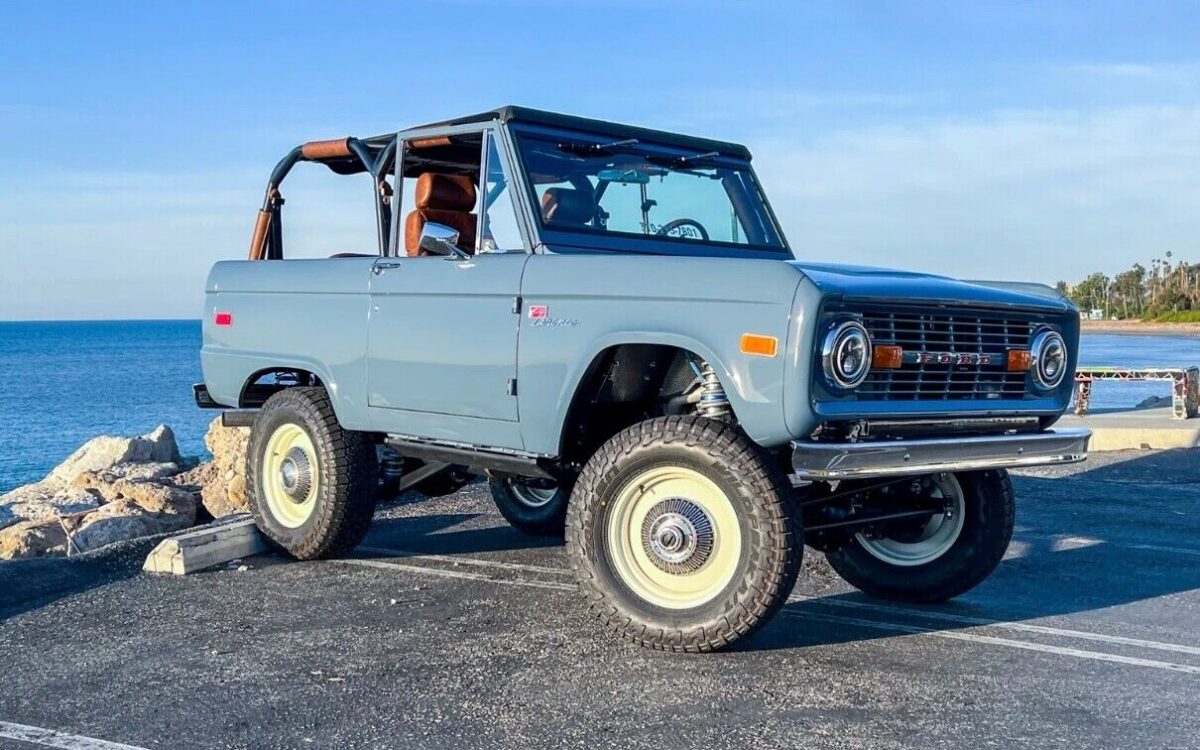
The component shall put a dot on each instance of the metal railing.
(1185, 391)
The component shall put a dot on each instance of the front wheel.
(682, 534)
(941, 557)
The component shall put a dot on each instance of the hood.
(864, 282)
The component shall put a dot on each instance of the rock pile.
(116, 488)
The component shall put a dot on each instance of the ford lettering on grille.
(948, 358)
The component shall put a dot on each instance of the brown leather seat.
(443, 199)
(567, 206)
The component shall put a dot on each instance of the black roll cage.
(344, 156)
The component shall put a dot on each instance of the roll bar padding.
(338, 148)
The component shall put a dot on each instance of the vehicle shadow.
(1119, 534)
(425, 535)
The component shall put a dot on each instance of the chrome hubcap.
(677, 536)
(295, 474)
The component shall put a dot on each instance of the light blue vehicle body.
(446, 350)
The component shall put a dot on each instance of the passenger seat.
(443, 199)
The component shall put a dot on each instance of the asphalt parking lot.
(450, 630)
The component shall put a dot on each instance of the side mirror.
(439, 239)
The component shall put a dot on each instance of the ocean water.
(62, 383)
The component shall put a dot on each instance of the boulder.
(196, 478)
(32, 539)
(43, 501)
(1156, 402)
(128, 519)
(111, 488)
(107, 452)
(225, 491)
(149, 496)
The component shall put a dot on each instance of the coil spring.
(713, 404)
(391, 465)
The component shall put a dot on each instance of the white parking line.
(51, 738)
(837, 619)
(457, 574)
(957, 635)
(984, 622)
(465, 560)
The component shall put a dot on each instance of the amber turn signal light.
(762, 346)
(1019, 360)
(887, 357)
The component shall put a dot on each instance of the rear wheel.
(311, 484)
(533, 506)
(682, 535)
(940, 557)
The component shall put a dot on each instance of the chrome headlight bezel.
(841, 334)
(1048, 348)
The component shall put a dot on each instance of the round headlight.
(846, 354)
(1048, 360)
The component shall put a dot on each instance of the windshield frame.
(586, 238)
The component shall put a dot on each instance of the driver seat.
(567, 206)
(443, 199)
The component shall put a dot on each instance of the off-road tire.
(990, 511)
(771, 537)
(348, 474)
(544, 520)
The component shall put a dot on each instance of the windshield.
(599, 186)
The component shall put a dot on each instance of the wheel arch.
(583, 382)
(266, 381)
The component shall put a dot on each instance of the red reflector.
(223, 319)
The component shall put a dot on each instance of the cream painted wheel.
(673, 537)
(947, 555)
(682, 534)
(931, 541)
(311, 485)
(533, 506)
(290, 477)
(531, 496)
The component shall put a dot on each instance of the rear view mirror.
(624, 176)
(439, 239)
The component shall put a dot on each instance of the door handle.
(380, 265)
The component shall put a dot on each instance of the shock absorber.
(713, 403)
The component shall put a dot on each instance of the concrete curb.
(1137, 429)
(205, 547)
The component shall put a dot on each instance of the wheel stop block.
(206, 547)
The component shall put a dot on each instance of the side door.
(442, 331)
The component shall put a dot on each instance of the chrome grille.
(968, 332)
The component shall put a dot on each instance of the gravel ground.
(450, 630)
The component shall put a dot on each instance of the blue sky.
(1030, 141)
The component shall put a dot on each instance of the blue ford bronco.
(607, 322)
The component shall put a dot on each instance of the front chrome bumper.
(893, 458)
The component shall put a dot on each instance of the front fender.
(753, 385)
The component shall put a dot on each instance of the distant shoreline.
(1142, 328)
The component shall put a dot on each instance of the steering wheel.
(671, 225)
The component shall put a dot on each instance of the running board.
(505, 462)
